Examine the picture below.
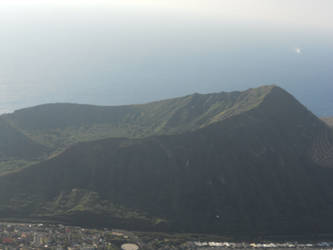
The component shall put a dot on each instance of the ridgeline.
(252, 162)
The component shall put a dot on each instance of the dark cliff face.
(265, 169)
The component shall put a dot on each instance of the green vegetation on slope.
(255, 171)
(17, 150)
(14, 143)
(44, 131)
(59, 125)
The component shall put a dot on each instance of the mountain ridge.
(57, 126)
(46, 109)
(252, 172)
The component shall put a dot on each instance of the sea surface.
(110, 56)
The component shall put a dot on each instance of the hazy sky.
(132, 51)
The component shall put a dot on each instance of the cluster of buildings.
(58, 237)
(267, 245)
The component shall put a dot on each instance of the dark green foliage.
(15, 144)
(253, 162)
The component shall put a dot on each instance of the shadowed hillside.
(263, 168)
(15, 144)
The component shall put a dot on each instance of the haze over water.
(123, 52)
